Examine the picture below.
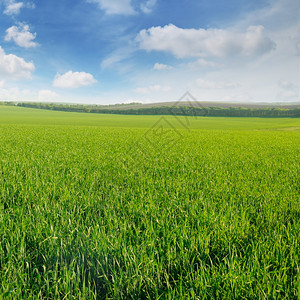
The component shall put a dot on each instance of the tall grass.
(98, 213)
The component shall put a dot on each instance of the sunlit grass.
(89, 212)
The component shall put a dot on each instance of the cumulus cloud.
(153, 88)
(73, 80)
(47, 95)
(207, 84)
(14, 66)
(115, 7)
(160, 67)
(21, 35)
(184, 43)
(147, 7)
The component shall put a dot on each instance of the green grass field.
(148, 207)
(28, 116)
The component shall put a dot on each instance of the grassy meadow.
(148, 207)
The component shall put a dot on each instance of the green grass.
(29, 116)
(110, 207)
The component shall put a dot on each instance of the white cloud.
(112, 60)
(207, 84)
(115, 7)
(251, 73)
(160, 67)
(47, 95)
(115, 58)
(124, 7)
(13, 8)
(73, 80)
(184, 43)
(119, 60)
(14, 66)
(147, 7)
(21, 36)
(153, 88)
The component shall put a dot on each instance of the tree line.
(166, 110)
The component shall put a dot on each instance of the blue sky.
(118, 51)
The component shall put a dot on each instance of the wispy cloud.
(113, 60)
(47, 95)
(207, 84)
(153, 88)
(203, 63)
(148, 6)
(124, 7)
(118, 60)
(115, 7)
(161, 67)
(14, 8)
(17, 94)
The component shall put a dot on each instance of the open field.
(180, 108)
(148, 207)
(28, 116)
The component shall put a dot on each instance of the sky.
(121, 51)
